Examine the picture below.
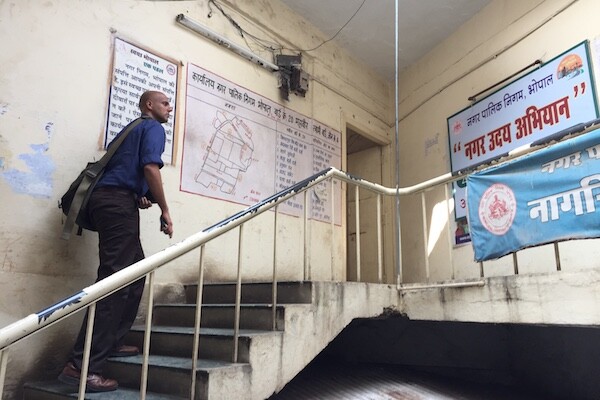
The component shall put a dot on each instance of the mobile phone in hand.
(163, 224)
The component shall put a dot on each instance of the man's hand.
(144, 203)
(166, 224)
(152, 175)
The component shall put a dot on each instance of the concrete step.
(215, 344)
(55, 390)
(252, 316)
(172, 375)
(252, 293)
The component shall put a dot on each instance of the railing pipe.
(274, 288)
(49, 316)
(147, 336)
(443, 285)
(449, 232)
(379, 241)
(197, 323)
(515, 263)
(425, 235)
(238, 296)
(306, 239)
(357, 216)
(87, 348)
(332, 201)
(398, 241)
(557, 256)
(3, 363)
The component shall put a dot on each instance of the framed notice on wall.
(551, 98)
(242, 147)
(135, 71)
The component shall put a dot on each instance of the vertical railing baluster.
(3, 363)
(449, 231)
(425, 234)
(274, 288)
(515, 263)
(147, 336)
(197, 323)
(332, 200)
(379, 241)
(557, 256)
(87, 348)
(306, 273)
(238, 297)
(481, 274)
(357, 208)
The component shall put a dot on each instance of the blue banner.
(546, 196)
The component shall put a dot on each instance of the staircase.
(309, 315)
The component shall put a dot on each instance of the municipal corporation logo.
(497, 209)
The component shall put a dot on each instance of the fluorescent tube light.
(223, 41)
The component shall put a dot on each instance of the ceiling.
(370, 35)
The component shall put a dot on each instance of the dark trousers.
(116, 216)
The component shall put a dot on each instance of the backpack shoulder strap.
(91, 174)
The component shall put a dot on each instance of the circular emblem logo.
(497, 209)
(171, 69)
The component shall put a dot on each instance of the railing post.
(3, 363)
(274, 288)
(197, 322)
(306, 272)
(449, 231)
(332, 200)
(357, 208)
(147, 336)
(481, 274)
(557, 256)
(238, 297)
(515, 263)
(87, 347)
(379, 241)
(425, 239)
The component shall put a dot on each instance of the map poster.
(241, 147)
(135, 71)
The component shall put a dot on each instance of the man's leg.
(116, 216)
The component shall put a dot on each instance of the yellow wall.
(500, 40)
(56, 63)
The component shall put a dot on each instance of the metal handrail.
(99, 290)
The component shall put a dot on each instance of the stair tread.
(185, 330)
(179, 362)
(70, 391)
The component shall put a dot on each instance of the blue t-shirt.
(144, 145)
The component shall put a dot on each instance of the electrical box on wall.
(292, 78)
(299, 82)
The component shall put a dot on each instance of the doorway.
(365, 160)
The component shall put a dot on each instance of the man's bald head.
(147, 96)
(156, 105)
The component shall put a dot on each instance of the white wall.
(500, 40)
(56, 62)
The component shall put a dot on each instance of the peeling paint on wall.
(37, 180)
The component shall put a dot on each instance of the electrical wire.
(270, 45)
(262, 43)
(338, 32)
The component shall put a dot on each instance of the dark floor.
(328, 380)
